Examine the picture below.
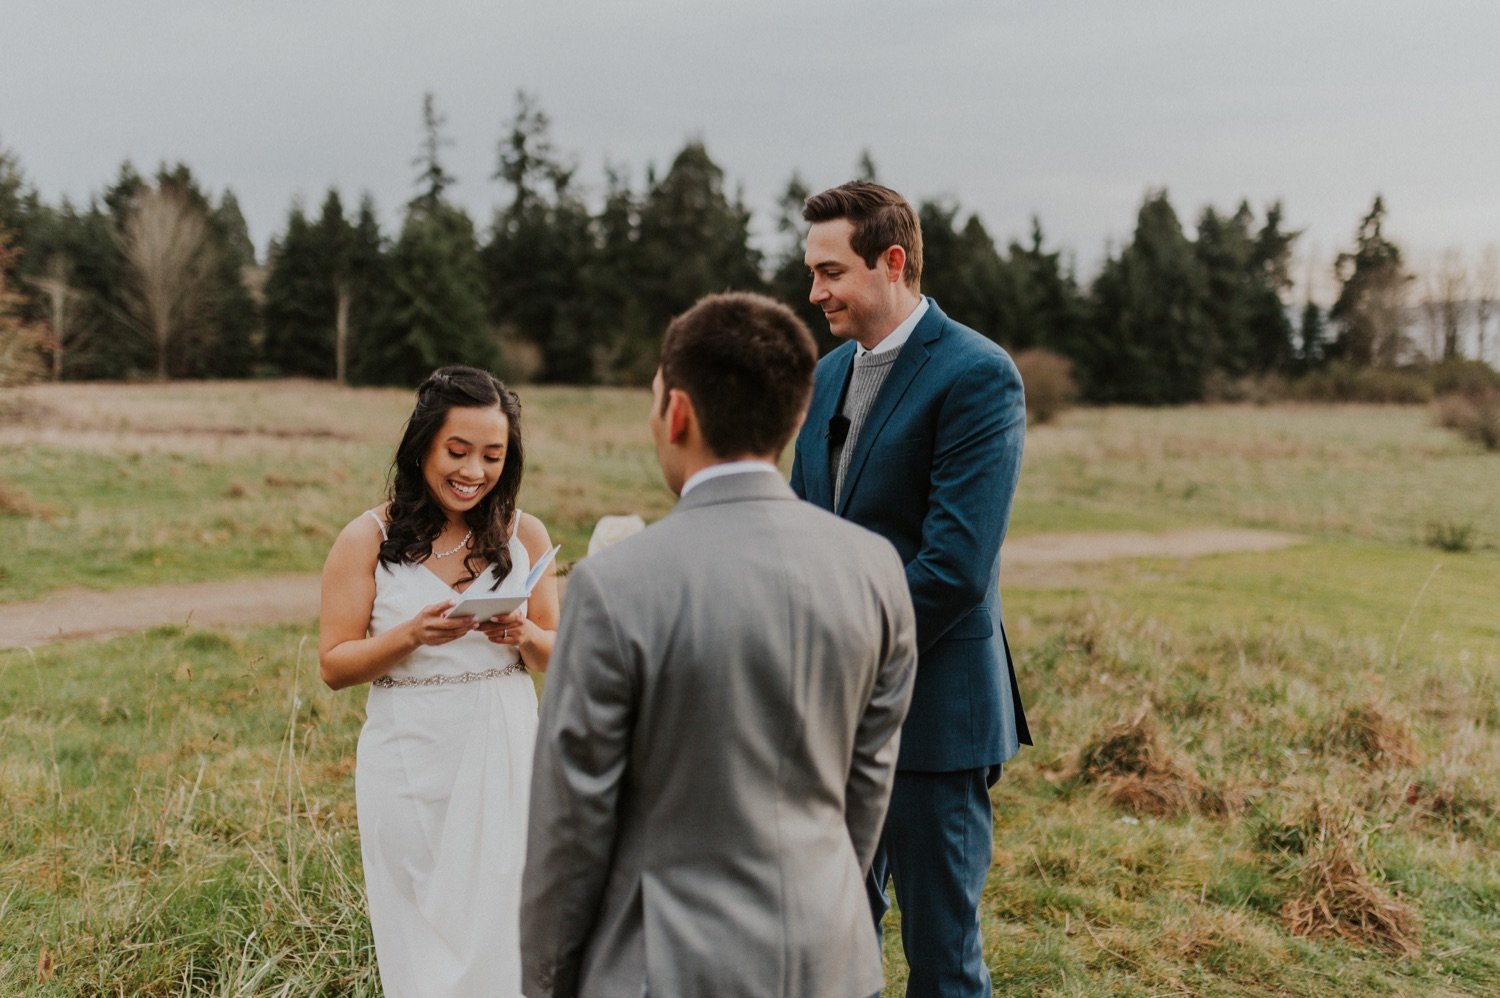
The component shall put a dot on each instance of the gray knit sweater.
(870, 372)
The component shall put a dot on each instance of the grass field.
(1263, 773)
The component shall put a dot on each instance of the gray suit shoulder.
(850, 536)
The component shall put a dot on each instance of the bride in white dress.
(443, 772)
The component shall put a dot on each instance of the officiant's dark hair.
(746, 362)
(881, 219)
(415, 519)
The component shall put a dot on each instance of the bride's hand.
(430, 627)
(506, 629)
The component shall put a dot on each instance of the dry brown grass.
(236, 419)
(15, 502)
(1336, 897)
(1474, 415)
(1135, 770)
(1374, 736)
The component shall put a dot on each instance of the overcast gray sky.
(1067, 109)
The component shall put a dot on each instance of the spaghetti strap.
(515, 525)
(379, 523)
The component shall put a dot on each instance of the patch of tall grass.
(179, 820)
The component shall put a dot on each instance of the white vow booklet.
(506, 598)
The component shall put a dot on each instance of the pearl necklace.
(455, 550)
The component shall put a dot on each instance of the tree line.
(155, 278)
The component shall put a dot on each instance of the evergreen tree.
(615, 281)
(23, 342)
(1050, 310)
(1311, 336)
(118, 349)
(437, 308)
(324, 292)
(1225, 249)
(1271, 328)
(238, 248)
(81, 254)
(538, 259)
(1151, 340)
(19, 205)
(1370, 311)
(432, 180)
(966, 275)
(693, 240)
(371, 298)
(299, 302)
(1247, 275)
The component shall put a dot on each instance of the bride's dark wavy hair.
(415, 518)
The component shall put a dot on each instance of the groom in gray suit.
(719, 730)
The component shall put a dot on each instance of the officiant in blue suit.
(915, 431)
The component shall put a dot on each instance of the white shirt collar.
(901, 333)
(726, 469)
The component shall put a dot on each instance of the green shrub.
(1463, 377)
(1450, 536)
(1385, 385)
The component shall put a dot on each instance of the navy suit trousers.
(935, 850)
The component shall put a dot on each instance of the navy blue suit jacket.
(933, 471)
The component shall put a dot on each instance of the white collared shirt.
(726, 469)
(898, 336)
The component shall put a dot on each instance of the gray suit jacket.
(718, 738)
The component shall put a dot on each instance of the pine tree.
(80, 251)
(23, 342)
(432, 180)
(1049, 299)
(615, 281)
(1370, 311)
(299, 303)
(966, 275)
(437, 308)
(541, 248)
(371, 300)
(693, 240)
(1311, 336)
(1270, 326)
(1225, 249)
(1151, 341)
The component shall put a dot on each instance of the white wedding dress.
(442, 782)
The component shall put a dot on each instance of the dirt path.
(1029, 561)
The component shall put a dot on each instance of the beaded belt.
(386, 682)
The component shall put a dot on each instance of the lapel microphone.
(838, 430)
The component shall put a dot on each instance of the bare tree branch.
(166, 243)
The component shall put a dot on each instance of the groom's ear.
(680, 416)
(895, 262)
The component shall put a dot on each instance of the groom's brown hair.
(881, 218)
(746, 362)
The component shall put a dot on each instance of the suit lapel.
(909, 363)
(817, 475)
